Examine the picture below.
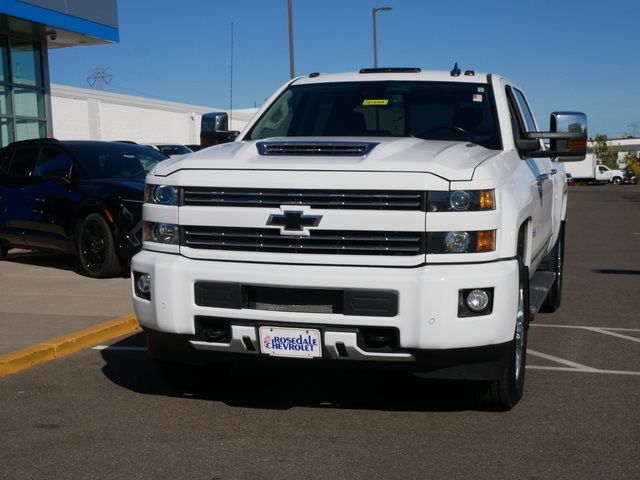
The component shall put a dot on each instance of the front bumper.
(426, 319)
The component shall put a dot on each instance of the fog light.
(477, 300)
(143, 285)
(456, 242)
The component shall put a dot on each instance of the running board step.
(539, 286)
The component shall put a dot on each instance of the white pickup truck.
(384, 218)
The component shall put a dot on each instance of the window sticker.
(477, 97)
(373, 101)
(480, 89)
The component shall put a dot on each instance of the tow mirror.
(567, 137)
(214, 129)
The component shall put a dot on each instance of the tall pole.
(292, 69)
(375, 32)
(375, 39)
(231, 83)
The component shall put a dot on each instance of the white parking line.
(110, 347)
(593, 370)
(562, 361)
(586, 327)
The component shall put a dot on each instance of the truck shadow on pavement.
(283, 389)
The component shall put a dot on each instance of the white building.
(87, 114)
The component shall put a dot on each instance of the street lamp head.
(382, 9)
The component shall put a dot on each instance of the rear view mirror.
(567, 137)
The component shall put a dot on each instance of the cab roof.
(389, 74)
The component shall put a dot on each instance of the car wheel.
(3, 252)
(617, 180)
(505, 392)
(96, 248)
(554, 262)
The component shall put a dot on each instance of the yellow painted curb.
(59, 347)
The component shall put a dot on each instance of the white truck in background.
(588, 170)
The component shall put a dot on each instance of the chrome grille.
(319, 241)
(337, 149)
(333, 199)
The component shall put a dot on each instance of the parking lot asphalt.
(104, 412)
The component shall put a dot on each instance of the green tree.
(606, 154)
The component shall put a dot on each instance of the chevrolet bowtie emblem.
(294, 222)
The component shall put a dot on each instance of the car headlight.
(166, 233)
(161, 194)
(461, 201)
(461, 242)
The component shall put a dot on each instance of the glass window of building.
(22, 94)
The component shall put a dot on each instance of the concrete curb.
(59, 347)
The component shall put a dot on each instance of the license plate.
(290, 342)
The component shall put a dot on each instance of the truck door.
(542, 175)
(603, 173)
(52, 196)
(17, 215)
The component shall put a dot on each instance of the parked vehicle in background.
(630, 177)
(588, 170)
(193, 147)
(384, 217)
(170, 149)
(75, 197)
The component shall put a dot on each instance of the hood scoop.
(310, 148)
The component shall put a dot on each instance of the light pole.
(291, 65)
(375, 33)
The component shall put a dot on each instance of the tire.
(616, 180)
(554, 262)
(3, 252)
(96, 248)
(505, 392)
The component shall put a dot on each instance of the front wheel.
(617, 181)
(96, 248)
(505, 392)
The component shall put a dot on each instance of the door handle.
(553, 171)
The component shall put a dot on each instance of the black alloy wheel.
(96, 248)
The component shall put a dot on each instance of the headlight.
(161, 194)
(461, 242)
(161, 233)
(461, 201)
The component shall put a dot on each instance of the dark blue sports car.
(78, 197)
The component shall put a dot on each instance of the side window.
(525, 111)
(52, 162)
(23, 161)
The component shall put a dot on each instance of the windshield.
(428, 110)
(115, 160)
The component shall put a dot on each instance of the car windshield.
(429, 110)
(115, 160)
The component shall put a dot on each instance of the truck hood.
(451, 160)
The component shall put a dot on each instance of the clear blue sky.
(566, 54)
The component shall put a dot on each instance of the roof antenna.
(456, 71)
